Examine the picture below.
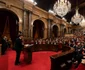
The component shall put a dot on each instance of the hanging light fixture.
(82, 23)
(32, 1)
(77, 18)
(62, 7)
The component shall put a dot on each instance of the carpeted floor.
(40, 61)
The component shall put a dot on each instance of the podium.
(27, 53)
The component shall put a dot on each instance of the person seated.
(78, 54)
(83, 52)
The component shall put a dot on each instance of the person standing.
(0, 43)
(4, 45)
(18, 48)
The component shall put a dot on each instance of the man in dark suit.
(18, 48)
(4, 45)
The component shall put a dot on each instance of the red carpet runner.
(40, 61)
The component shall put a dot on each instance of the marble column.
(30, 25)
(45, 33)
(49, 33)
(59, 33)
(25, 25)
(69, 30)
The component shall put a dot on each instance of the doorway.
(9, 24)
(38, 29)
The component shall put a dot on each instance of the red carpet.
(4, 62)
(40, 61)
(81, 67)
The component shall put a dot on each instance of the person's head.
(20, 36)
(5, 38)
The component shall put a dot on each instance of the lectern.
(28, 53)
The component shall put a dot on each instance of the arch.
(38, 29)
(17, 13)
(9, 23)
(65, 30)
(55, 30)
(12, 11)
(45, 24)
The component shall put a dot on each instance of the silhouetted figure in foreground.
(18, 48)
(4, 45)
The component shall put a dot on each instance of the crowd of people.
(77, 42)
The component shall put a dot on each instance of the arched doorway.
(38, 29)
(55, 31)
(64, 30)
(9, 24)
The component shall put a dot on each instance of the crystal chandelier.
(62, 7)
(82, 23)
(77, 18)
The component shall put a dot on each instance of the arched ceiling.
(48, 4)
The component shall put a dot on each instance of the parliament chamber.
(42, 35)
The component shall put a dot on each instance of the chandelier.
(82, 23)
(77, 18)
(62, 7)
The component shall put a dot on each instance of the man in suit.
(18, 48)
(4, 45)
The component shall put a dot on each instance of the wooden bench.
(62, 61)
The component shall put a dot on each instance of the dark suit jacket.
(4, 44)
(18, 44)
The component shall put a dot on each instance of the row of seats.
(62, 61)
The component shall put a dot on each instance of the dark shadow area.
(38, 29)
(9, 21)
(55, 31)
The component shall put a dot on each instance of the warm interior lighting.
(51, 11)
(82, 23)
(64, 19)
(32, 1)
(77, 18)
(62, 7)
